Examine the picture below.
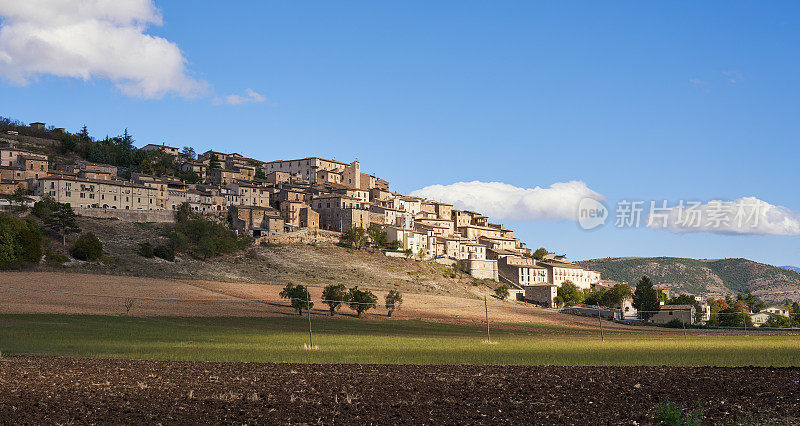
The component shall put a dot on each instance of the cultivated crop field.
(370, 341)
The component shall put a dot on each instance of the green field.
(347, 340)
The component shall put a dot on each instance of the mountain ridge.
(709, 277)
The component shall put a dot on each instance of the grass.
(345, 340)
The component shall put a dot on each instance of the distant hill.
(713, 277)
(791, 268)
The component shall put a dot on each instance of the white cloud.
(92, 39)
(744, 216)
(733, 77)
(250, 96)
(503, 201)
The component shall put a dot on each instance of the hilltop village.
(268, 198)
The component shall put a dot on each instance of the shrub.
(674, 323)
(502, 291)
(146, 250)
(20, 241)
(87, 247)
(673, 414)
(203, 238)
(393, 301)
(165, 251)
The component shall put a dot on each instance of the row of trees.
(570, 294)
(358, 238)
(337, 295)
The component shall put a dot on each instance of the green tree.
(361, 300)
(733, 317)
(334, 295)
(595, 296)
(188, 152)
(355, 237)
(616, 295)
(645, 298)
(502, 291)
(393, 301)
(298, 296)
(213, 162)
(376, 236)
(58, 217)
(539, 253)
(777, 321)
(753, 302)
(146, 250)
(87, 247)
(20, 241)
(570, 293)
(260, 173)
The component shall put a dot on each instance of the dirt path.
(67, 390)
(234, 299)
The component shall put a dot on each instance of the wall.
(303, 236)
(159, 216)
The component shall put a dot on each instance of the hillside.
(314, 265)
(714, 277)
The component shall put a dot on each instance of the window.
(68, 194)
(83, 195)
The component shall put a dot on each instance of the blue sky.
(638, 100)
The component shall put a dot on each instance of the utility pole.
(308, 311)
(600, 320)
(486, 309)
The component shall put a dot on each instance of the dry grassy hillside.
(298, 263)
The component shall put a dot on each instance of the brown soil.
(233, 299)
(66, 390)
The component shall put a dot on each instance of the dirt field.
(230, 299)
(67, 390)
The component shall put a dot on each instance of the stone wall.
(158, 216)
(303, 236)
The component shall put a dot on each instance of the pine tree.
(645, 298)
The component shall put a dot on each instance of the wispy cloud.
(733, 77)
(743, 216)
(699, 84)
(500, 200)
(249, 96)
(89, 39)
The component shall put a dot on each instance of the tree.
(334, 295)
(595, 297)
(17, 198)
(376, 236)
(502, 291)
(87, 247)
(188, 152)
(355, 237)
(753, 302)
(777, 321)
(617, 294)
(58, 217)
(20, 241)
(213, 162)
(84, 134)
(393, 301)
(570, 293)
(298, 296)
(688, 299)
(539, 253)
(645, 298)
(361, 300)
(731, 317)
(260, 173)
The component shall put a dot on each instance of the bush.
(201, 237)
(675, 323)
(673, 414)
(87, 247)
(20, 241)
(146, 250)
(165, 251)
(502, 291)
